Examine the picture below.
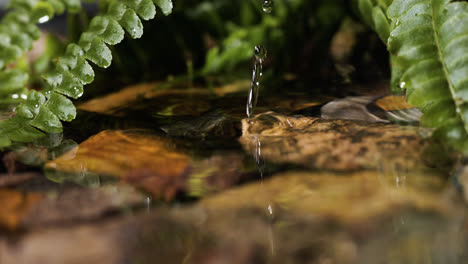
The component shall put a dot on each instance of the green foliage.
(374, 15)
(292, 23)
(429, 43)
(18, 31)
(44, 111)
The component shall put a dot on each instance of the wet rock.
(333, 144)
(124, 155)
(12, 179)
(207, 126)
(164, 101)
(362, 217)
(381, 109)
(341, 218)
(113, 103)
(64, 246)
(351, 108)
(397, 110)
(353, 199)
(147, 161)
(15, 206)
(75, 205)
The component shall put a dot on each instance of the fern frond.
(44, 111)
(18, 31)
(373, 13)
(429, 42)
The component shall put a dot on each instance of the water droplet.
(43, 19)
(148, 201)
(261, 53)
(267, 6)
(23, 96)
(398, 22)
(15, 96)
(402, 85)
(36, 106)
(270, 209)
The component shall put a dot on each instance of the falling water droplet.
(270, 209)
(267, 6)
(260, 55)
(148, 201)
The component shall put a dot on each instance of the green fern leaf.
(43, 111)
(62, 107)
(373, 13)
(11, 81)
(165, 5)
(429, 42)
(132, 24)
(99, 53)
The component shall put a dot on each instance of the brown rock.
(294, 217)
(351, 108)
(333, 144)
(152, 163)
(128, 156)
(79, 204)
(180, 101)
(15, 206)
(354, 199)
(12, 179)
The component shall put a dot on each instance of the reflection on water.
(262, 168)
(294, 190)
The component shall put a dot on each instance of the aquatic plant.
(42, 111)
(427, 41)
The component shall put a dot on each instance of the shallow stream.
(152, 175)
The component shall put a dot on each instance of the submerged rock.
(12, 179)
(15, 206)
(379, 109)
(294, 217)
(209, 125)
(348, 198)
(147, 161)
(160, 100)
(80, 204)
(351, 108)
(333, 144)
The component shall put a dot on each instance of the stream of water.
(260, 56)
